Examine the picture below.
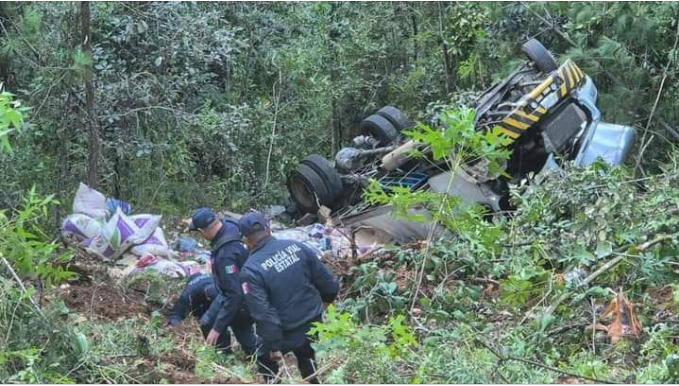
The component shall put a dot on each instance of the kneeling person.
(285, 285)
(196, 300)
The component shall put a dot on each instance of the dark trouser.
(306, 357)
(243, 330)
(306, 363)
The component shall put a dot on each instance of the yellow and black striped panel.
(530, 111)
(571, 77)
(509, 132)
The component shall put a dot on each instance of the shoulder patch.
(231, 269)
(246, 288)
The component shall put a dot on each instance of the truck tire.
(328, 174)
(380, 128)
(396, 118)
(304, 186)
(542, 58)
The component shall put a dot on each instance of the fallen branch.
(674, 132)
(610, 264)
(538, 364)
(549, 292)
(432, 231)
(483, 280)
(571, 326)
(320, 371)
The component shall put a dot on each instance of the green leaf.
(603, 249)
(546, 320)
(62, 308)
(14, 117)
(672, 363)
(581, 255)
(80, 343)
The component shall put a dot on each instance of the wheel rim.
(301, 192)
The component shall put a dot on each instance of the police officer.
(285, 285)
(195, 300)
(227, 258)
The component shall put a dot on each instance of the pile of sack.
(106, 228)
(108, 231)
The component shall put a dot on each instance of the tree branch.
(551, 24)
(657, 99)
(610, 264)
(276, 98)
(538, 364)
(21, 285)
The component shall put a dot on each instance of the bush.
(27, 247)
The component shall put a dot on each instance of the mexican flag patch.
(246, 288)
(231, 269)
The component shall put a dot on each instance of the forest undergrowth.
(551, 298)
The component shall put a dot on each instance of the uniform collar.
(262, 243)
(218, 236)
(227, 230)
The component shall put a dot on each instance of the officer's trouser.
(299, 343)
(306, 363)
(243, 330)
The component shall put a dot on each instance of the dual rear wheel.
(315, 182)
(386, 125)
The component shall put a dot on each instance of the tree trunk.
(447, 61)
(334, 79)
(7, 15)
(413, 19)
(336, 128)
(93, 155)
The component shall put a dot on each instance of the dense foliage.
(228, 96)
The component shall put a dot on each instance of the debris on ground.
(95, 297)
(132, 244)
(185, 244)
(624, 322)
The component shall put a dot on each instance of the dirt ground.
(96, 296)
(104, 300)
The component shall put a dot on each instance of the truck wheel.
(307, 189)
(396, 118)
(380, 128)
(328, 174)
(542, 58)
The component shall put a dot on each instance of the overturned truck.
(547, 110)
